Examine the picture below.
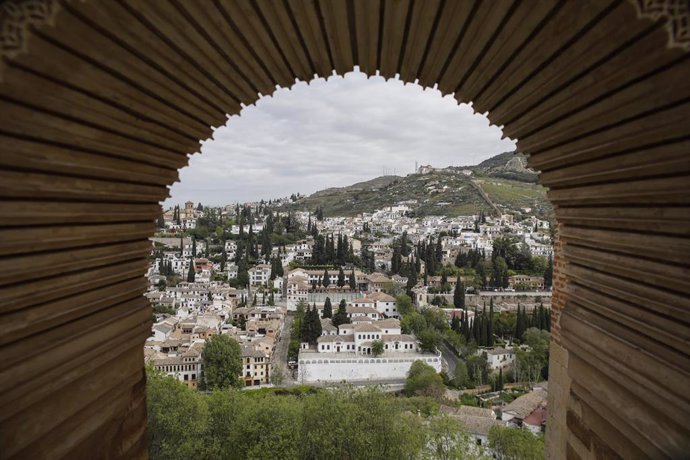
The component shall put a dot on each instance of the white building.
(348, 356)
(498, 358)
(260, 275)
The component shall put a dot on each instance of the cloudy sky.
(334, 133)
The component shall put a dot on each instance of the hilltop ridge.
(500, 183)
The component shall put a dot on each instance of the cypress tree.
(464, 324)
(490, 328)
(316, 325)
(340, 250)
(327, 308)
(326, 278)
(191, 274)
(353, 281)
(340, 316)
(341, 277)
(411, 280)
(499, 385)
(305, 327)
(455, 323)
(459, 294)
(548, 274)
(439, 252)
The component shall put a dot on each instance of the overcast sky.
(334, 133)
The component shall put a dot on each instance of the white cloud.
(334, 133)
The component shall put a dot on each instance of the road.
(449, 357)
(279, 358)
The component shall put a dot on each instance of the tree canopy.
(222, 363)
(422, 380)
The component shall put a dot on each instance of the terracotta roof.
(381, 297)
(536, 418)
(398, 338)
(390, 323)
(526, 404)
(335, 338)
(366, 327)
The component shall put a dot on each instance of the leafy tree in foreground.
(515, 444)
(448, 441)
(177, 418)
(222, 363)
(296, 423)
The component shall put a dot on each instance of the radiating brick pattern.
(102, 102)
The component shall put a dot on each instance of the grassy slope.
(445, 192)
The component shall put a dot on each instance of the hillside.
(500, 183)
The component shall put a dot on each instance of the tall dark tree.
(455, 323)
(411, 279)
(490, 327)
(483, 339)
(341, 277)
(340, 316)
(353, 280)
(317, 325)
(340, 251)
(438, 253)
(306, 326)
(191, 274)
(327, 308)
(548, 274)
(459, 294)
(404, 245)
(326, 278)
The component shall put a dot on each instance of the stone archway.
(102, 101)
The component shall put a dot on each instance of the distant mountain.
(498, 184)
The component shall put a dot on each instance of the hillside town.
(323, 300)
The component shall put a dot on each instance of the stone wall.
(324, 367)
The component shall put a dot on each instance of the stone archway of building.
(102, 101)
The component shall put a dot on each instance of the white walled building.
(498, 358)
(348, 356)
(260, 275)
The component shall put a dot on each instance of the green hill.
(501, 183)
